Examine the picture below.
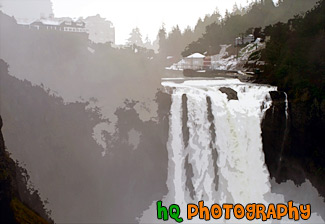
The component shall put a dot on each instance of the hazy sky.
(148, 15)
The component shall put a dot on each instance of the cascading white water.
(241, 175)
(286, 105)
(286, 129)
(198, 150)
(175, 146)
(238, 139)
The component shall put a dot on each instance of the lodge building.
(59, 25)
(99, 29)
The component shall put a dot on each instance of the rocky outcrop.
(294, 146)
(231, 94)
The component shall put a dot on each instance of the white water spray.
(286, 105)
(241, 175)
(286, 129)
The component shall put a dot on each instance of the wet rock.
(293, 146)
(231, 94)
(277, 97)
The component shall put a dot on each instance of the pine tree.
(135, 38)
(147, 43)
(162, 40)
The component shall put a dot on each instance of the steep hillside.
(240, 21)
(12, 207)
(54, 142)
(295, 59)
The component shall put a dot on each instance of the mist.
(108, 116)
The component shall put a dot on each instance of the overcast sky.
(148, 15)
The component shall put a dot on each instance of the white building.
(57, 24)
(99, 29)
(195, 61)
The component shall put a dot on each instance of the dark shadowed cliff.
(14, 206)
(295, 56)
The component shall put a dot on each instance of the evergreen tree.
(175, 41)
(260, 13)
(135, 38)
(199, 29)
(147, 43)
(162, 40)
(236, 10)
(188, 35)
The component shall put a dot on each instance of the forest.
(295, 62)
(216, 29)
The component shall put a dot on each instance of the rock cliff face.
(12, 208)
(294, 62)
(293, 146)
(6, 212)
(17, 203)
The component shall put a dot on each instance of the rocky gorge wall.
(294, 146)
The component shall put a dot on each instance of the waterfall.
(176, 156)
(286, 105)
(286, 131)
(238, 141)
(199, 150)
(223, 148)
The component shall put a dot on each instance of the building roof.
(25, 21)
(51, 22)
(196, 55)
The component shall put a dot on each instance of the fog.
(91, 122)
(27, 9)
